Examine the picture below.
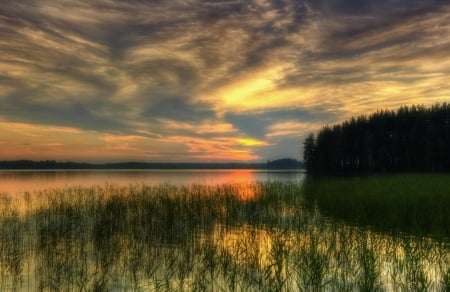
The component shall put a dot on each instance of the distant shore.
(51, 164)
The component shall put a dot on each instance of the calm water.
(223, 232)
(14, 182)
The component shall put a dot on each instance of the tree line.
(415, 138)
(285, 163)
(52, 164)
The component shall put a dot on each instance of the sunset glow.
(220, 81)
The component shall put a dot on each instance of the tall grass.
(232, 237)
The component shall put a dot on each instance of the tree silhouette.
(308, 152)
(413, 138)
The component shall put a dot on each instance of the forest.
(410, 139)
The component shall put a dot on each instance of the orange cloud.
(205, 127)
(220, 148)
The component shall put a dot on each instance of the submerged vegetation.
(244, 237)
(413, 203)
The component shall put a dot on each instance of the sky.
(211, 80)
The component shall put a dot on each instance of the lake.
(222, 230)
(19, 181)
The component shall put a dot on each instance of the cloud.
(292, 128)
(205, 129)
(66, 113)
(178, 109)
(344, 38)
(220, 149)
(262, 124)
(214, 71)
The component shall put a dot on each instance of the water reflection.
(19, 181)
(200, 237)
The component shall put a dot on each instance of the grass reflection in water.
(245, 237)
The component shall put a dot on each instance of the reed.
(245, 237)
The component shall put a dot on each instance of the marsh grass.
(232, 237)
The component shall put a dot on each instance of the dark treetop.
(413, 138)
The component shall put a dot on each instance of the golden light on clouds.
(208, 80)
(253, 91)
(251, 142)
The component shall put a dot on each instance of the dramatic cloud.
(224, 80)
